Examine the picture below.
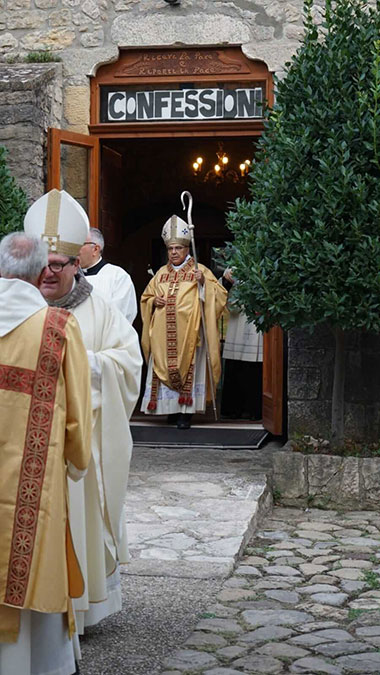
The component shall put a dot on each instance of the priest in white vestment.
(45, 432)
(111, 282)
(114, 355)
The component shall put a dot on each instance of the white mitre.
(60, 221)
(176, 231)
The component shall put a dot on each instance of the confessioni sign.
(181, 105)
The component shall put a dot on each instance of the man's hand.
(159, 301)
(228, 275)
(198, 274)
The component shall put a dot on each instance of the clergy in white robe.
(99, 530)
(115, 360)
(112, 282)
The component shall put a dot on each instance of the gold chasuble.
(171, 334)
(44, 424)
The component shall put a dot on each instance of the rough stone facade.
(310, 379)
(326, 481)
(30, 101)
(87, 34)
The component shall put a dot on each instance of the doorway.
(152, 113)
(140, 187)
(141, 182)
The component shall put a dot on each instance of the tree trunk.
(337, 412)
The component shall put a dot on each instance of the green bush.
(308, 242)
(42, 57)
(13, 201)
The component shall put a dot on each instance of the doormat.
(211, 437)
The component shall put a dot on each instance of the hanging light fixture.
(221, 171)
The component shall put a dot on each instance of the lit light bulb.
(225, 159)
(217, 168)
(200, 160)
(243, 168)
(247, 162)
(196, 166)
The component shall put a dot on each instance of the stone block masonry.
(86, 34)
(326, 480)
(30, 102)
(310, 377)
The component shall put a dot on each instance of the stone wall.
(30, 101)
(90, 33)
(310, 378)
(326, 481)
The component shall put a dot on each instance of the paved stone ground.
(305, 598)
(190, 511)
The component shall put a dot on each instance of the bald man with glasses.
(112, 282)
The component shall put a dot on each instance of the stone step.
(191, 513)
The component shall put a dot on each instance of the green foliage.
(307, 246)
(319, 446)
(372, 579)
(13, 202)
(354, 614)
(42, 57)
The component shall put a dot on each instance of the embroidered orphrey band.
(33, 464)
(17, 379)
(174, 277)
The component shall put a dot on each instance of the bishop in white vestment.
(113, 351)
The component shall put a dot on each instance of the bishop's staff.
(203, 320)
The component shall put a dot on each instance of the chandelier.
(221, 171)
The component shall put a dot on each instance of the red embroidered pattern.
(152, 405)
(186, 277)
(35, 454)
(174, 277)
(16, 379)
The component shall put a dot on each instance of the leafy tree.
(13, 201)
(307, 246)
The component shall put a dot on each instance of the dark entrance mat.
(216, 437)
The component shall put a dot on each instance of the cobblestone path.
(305, 598)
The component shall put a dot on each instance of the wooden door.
(73, 165)
(112, 198)
(273, 380)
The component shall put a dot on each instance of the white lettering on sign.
(184, 104)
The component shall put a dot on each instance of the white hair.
(22, 257)
(97, 237)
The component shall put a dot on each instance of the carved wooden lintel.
(174, 62)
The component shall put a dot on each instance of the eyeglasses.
(58, 267)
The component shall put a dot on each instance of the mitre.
(176, 231)
(60, 220)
